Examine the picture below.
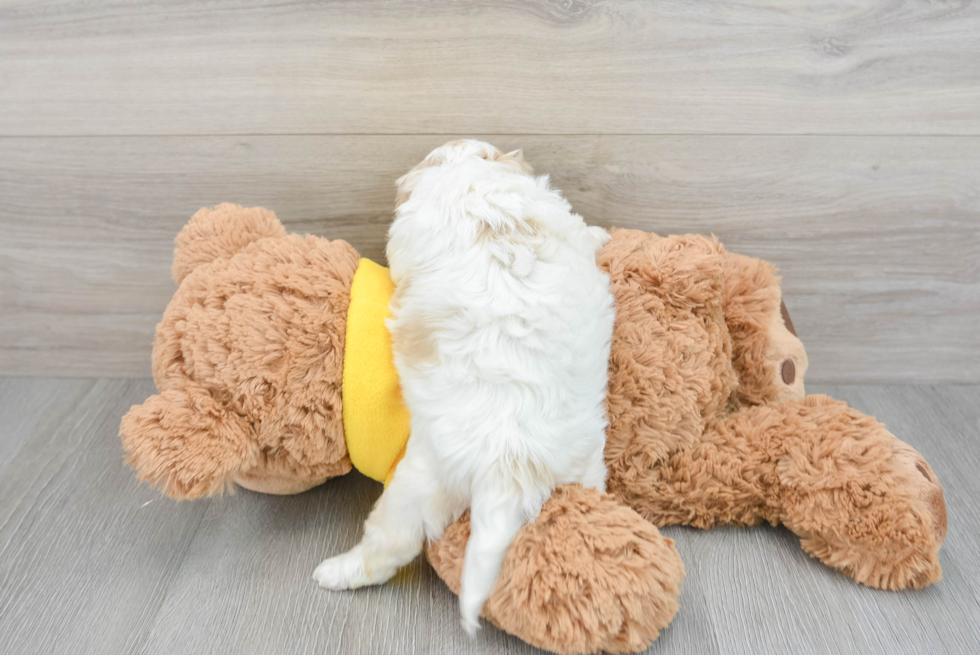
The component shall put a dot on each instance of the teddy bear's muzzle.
(277, 485)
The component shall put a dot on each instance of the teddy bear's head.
(768, 357)
(698, 334)
(248, 361)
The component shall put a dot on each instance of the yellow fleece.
(376, 424)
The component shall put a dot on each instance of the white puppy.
(501, 327)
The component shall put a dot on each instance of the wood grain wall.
(841, 142)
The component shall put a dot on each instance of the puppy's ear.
(404, 187)
(600, 237)
(517, 156)
(407, 182)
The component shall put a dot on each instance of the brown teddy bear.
(708, 424)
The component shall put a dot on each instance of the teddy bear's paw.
(342, 571)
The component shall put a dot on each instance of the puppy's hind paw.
(341, 572)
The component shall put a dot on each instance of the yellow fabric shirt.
(376, 422)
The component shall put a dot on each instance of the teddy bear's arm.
(861, 500)
(184, 443)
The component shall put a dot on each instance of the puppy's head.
(456, 151)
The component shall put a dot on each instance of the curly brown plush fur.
(247, 360)
(708, 425)
(589, 575)
(704, 430)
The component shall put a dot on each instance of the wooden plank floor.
(92, 562)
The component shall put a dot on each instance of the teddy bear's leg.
(588, 575)
(861, 500)
(185, 443)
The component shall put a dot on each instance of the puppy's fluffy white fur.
(501, 327)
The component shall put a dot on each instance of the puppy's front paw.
(341, 572)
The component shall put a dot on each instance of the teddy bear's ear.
(222, 231)
(185, 444)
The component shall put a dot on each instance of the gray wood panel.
(91, 562)
(878, 238)
(549, 67)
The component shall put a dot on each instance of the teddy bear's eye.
(788, 371)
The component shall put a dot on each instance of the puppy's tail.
(221, 232)
(502, 501)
